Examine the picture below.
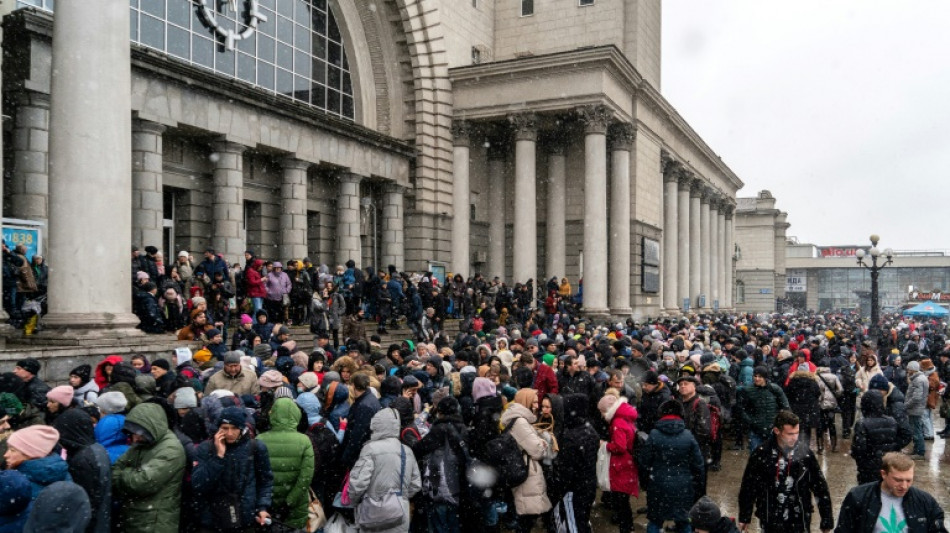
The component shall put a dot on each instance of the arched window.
(292, 48)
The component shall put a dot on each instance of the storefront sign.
(795, 281)
(835, 251)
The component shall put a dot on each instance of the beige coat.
(241, 384)
(531, 496)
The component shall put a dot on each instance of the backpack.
(715, 419)
(506, 457)
(402, 434)
(441, 481)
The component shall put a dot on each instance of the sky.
(840, 108)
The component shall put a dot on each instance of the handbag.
(342, 498)
(603, 468)
(339, 524)
(316, 518)
(285, 300)
(385, 512)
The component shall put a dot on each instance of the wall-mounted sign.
(795, 281)
(650, 266)
(839, 251)
(25, 232)
(249, 17)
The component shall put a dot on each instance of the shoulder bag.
(386, 512)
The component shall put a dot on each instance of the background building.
(760, 254)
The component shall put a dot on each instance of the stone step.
(304, 338)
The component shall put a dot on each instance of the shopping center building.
(523, 139)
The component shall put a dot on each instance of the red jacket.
(255, 283)
(546, 381)
(623, 432)
(101, 378)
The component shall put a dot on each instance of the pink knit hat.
(481, 388)
(34, 441)
(62, 395)
(246, 319)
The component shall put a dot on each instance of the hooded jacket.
(44, 471)
(804, 395)
(87, 393)
(147, 478)
(916, 400)
(675, 471)
(291, 460)
(531, 496)
(622, 418)
(874, 435)
(377, 471)
(102, 380)
(63, 507)
(575, 467)
(89, 465)
(235, 473)
(109, 434)
(15, 501)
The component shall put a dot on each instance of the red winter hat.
(793, 346)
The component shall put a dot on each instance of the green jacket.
(147, 478)
(759, 405)
(291, 459)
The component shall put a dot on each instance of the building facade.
(760, 254)
(520, 139)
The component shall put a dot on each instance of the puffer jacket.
(15, 501)
(377, 471)
(147, 478)
(675, 469)
(830, 389)
(531, 496)
(291, 459)
(235, 473)
(746, 372)
(86, 394)
(44, 471)
(759, 405)
(622, 418)
(109, 434)
(804, 395)
(874, 435)
(916, 400)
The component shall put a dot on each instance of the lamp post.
(874, 253)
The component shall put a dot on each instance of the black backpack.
(506, 457)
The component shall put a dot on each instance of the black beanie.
(83, 372)
(448, 406)
(671, 408)
(761, 371)
(30, 365)
(162, 363)
(704, 514)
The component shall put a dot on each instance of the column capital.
(729, 210)
(622, 136)
(461, 132)
(292, 163)
(596, 118)
(554, 146)
(141, 125)
(715, 201)
(696, 188)
(392, 187)
(685, 178)
(349, 177)
(525, 126)
(226, 146)
(671, 170)
(32, 98)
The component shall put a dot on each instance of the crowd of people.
(520, 421)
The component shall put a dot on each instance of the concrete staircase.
(304, 338)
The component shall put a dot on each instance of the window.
(585, 3)
(527, 8)
(476, 55)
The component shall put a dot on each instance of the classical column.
(682, 278)
(714, 265)
(227, 237)
(293, 209)
(393, 235)
(90, 190)
(348, 244)
(525, 207)
(30, 179)
(730, 251)
(670, 171)
(596, 118)
(555, 249)
(723, 256)
(496, 205)
(705, 258)
(461, 202)
(695, 233)
(147, 200)
(622, 138)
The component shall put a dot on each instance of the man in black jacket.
(780, 480)
(875, 435)
(364, 407)
(89, 465)
(892, 505)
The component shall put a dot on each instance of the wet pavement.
(723, 486)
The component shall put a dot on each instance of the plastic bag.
(338, 524)
(603, 468)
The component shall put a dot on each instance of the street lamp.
(874, 331)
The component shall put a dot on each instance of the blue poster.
(29, 237)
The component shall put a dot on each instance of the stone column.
(730, 252)
(90, 190)
(147, 200)
(293, 209)
(622, 138)
(705, 263)
(595, 119)
(496, 203)
(555, 248)
(348, 244)
(723, 256)
(30, 179)
(525, 209)
(682, 278)
(227, 236)
(695, 234)
(461, 202)
(670, 171)
(393, 227)
(714, 264)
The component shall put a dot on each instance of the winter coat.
(243, 383)
(15, 501)
(149, 313)
(358, 423)
(897, 376)
(291, 459)
(445, 430)
(933, 393)
(531, 496)
(622, 418)
(109, 434)
(353, 328)
(697, 418)
(89, 465)
(874, 435)
(675, 469)
(758, 489)
(860, 509)
(759, 405)
(746, 372)
(916, 400)
(44, 471)
(254, 281)
(86, 394)
(649, 411)
(575, 467)
(377, 471)
(484, 425)
(545, 382)
(831, 389)
(147, 478)
(579, 383)
(63, 507)
(862, 378)
(236, 473)
(278, 284)
(803, 395)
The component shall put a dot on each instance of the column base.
(622, 312)
(596, 314)
(81, 328)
